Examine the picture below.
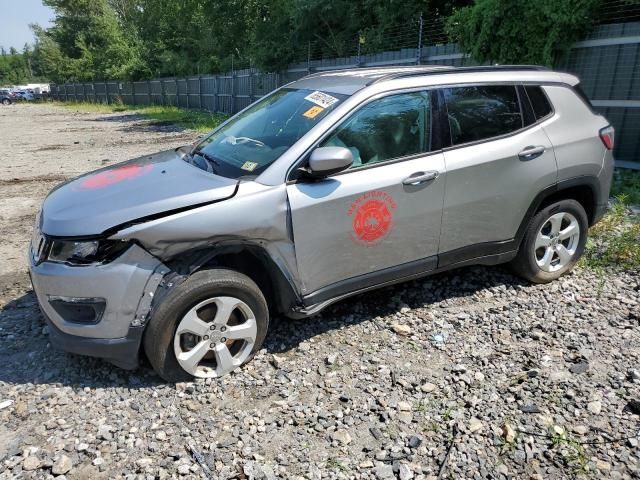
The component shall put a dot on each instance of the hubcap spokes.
(207, 345)
(557, 242)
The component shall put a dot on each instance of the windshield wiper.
(213, 161)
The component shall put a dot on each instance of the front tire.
(6, 101)
(208, 326)
(553, 243)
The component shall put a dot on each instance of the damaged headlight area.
(84, 252)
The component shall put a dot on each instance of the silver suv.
(332, 185)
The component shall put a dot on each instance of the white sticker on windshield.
(321, 99)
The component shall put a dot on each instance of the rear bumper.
(123, 352)
(600, 211)
(605, 178)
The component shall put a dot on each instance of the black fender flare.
(269, 275)
(555, 190)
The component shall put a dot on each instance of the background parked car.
(25, 95)
(5, 97)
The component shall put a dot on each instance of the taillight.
(607, 135)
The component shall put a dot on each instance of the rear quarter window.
(539, 101)
(481, 112)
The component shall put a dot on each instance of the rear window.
(482, 112)
(539, 101)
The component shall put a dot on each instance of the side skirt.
(495, 254)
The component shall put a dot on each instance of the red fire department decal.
(372, 215)
(109, 177)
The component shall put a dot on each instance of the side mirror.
(325, 161)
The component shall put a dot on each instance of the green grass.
(157, 114)
(615, 240)
(627, 182)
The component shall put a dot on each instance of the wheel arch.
(583, 193)
(584, 189)
(251, 260)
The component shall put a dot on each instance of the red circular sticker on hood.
(115, 175)
(372, 217)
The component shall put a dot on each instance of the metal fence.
(215, 93)
(607, 61)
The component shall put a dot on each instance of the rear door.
(377, 216)
(496, 166)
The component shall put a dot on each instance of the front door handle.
(420, 177)
(531, 152)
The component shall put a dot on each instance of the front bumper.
(122, 352)
(125, 286)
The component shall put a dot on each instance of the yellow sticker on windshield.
(249, 166)
(313, 112)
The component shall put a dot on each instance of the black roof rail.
(482, 68)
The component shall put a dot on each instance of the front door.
(382, 216)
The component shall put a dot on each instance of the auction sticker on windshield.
(250, 166)
(321, 99)
(313, 112)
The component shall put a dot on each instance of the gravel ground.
(470, 374)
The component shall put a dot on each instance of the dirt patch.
(45, 145)
(39, 178)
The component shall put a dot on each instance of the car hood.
(129, 191)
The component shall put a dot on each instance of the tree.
(86, 42)
(14, 68)
(521, 31)
(141, 39)
(274, 40)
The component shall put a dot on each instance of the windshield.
(254, 139)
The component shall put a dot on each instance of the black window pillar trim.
(528, 113)
(442, 133)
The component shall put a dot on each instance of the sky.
(15, 17)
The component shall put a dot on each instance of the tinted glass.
(477, 113)
(539, 101)
(388, 128)
(254, 139)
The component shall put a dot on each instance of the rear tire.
(553, 242)
(207, 326)
(6, 101)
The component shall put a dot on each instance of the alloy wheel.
(557, 242)
(215, 337)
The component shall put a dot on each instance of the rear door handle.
(420, 177)
(531, 152)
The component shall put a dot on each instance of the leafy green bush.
(627, 182)
(521, 31)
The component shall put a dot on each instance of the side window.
(388, 128)
(480, 112)
(539, 101)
